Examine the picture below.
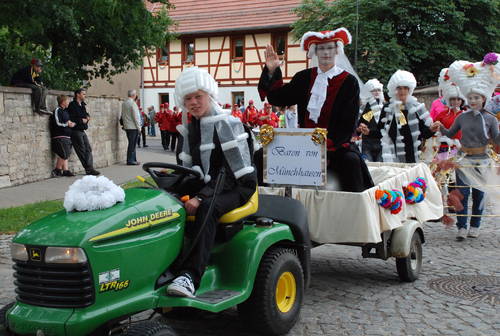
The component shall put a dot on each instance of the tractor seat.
(240, 213)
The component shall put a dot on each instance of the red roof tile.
(194, 16)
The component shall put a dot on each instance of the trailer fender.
(401, 238)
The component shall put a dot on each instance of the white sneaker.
(181, 286)
(462, 234)
(473, 232)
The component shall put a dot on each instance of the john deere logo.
(35, 254)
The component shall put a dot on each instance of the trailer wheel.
(149, 328)
(409, 267)
(274, 305)
(3, 313)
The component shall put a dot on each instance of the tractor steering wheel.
(170, 180)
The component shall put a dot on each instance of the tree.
(421, 36)
(79, 40)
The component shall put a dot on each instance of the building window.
(163, 55)
(188, 54)
(279, 44)
(237, 48)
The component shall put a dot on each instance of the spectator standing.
(131, 125)
(29, 77)
(171, 131)
(251, 114)
(162, 120)
(152, 121)
(144, 124)
(78, 114)
(267, 116)
(236, 112)
(291, 117)
(60, 131)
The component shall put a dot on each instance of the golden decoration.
(266, 134)
(319, 135)
(368, 116)
(402, 120)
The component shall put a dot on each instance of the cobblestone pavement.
(350, 295)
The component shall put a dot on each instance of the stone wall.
(426, 95)
(25, 154)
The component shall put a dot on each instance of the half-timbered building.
(227, 38)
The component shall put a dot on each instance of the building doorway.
(238, 97)
(164, 98)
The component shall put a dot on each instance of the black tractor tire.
(3, 313)
(181, 313)
(149, 328)
(409, 267)
(266, 310)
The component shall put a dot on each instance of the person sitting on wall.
(29, 77)
(213, 141)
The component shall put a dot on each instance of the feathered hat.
(309, 39)
(480, 77)
(401, 78)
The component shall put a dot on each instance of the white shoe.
(473, 232)
(462, 234)
(181, 286)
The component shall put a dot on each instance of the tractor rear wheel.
(149, 328)
(3, 313)
(274, 305)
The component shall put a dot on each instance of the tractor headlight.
(65, 255)
(18, 252)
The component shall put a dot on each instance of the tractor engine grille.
(54, 285)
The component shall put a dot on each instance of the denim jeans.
(477, 205)
(132, 136)
(152, 130)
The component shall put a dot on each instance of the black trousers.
(197, 260)
(165, 139)
(143, 134)
(132, 136)
(38, 95)
(83, 149)
(350, 169)
(173, 139)
(372, 149)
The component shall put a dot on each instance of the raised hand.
(272, 59)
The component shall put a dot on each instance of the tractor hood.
(142, 209)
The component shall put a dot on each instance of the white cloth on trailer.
(345, 217)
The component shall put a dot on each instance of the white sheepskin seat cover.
(92, 193)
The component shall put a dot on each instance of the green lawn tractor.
(87, 273)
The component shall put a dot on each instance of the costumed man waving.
(327, 96)
(213, 141)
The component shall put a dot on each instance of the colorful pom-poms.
(415, 191)
(390, 199)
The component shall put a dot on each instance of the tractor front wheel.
(274, 305)
(149, 328)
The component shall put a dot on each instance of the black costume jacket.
(339, 114)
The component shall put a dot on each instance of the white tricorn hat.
(480, 77)
(191, 80)
(373, 84)
(401, 78)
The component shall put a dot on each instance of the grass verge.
(15, 218)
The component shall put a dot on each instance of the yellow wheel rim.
(286, 292)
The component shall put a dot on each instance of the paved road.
(350, 295)
(354, 296)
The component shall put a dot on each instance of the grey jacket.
(130, 115)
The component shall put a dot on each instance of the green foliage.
(78, 40)
(422, 36)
